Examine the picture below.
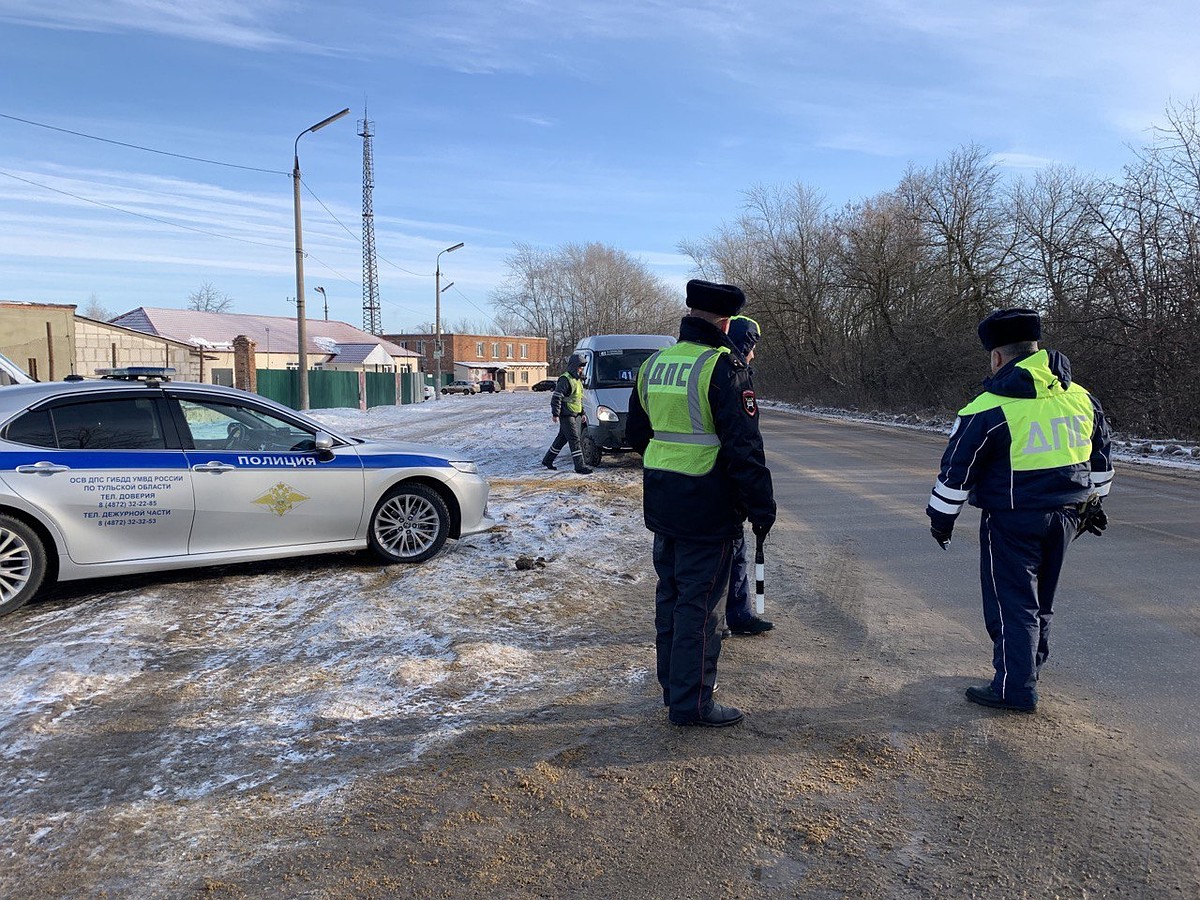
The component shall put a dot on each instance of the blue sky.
(636, 124)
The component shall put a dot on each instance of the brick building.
(514, 363)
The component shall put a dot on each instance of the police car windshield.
(617, 368)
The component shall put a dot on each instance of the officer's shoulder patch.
(749, 403)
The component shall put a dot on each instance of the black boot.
(582, 470)
(548, 460)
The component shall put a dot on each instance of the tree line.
(874, 305)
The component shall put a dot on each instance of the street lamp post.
(321, 291)
(301, 327)
(437, 320)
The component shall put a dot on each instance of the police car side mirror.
(323, 444)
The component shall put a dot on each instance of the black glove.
(1093, 519)
(760, 531)
(942, 535)
(941, 526)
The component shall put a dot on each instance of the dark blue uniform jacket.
(976, 465)
(714, 506)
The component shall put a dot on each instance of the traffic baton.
(759, 566)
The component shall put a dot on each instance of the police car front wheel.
(410, 524)
(22, 563)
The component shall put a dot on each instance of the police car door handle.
(217, 467)
(42, 468)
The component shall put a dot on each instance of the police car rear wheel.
(409, 525)
(22, 563)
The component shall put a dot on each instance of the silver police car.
(135, 473)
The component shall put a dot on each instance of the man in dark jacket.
(744, 334)
(1030, 452)
(566, 408)
(694, 418)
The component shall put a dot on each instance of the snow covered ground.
(179, 703)
(200, 695)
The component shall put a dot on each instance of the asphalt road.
(1126, 639)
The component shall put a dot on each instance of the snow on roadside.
(1167, 453)
(199, 695)
(175, 705)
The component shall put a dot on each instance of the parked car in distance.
(117, 476)
(460, 387)
(487, 386)
(546, 384)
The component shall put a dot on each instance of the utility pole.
(437, 319)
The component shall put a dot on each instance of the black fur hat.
(1010, 326)
(720, 299)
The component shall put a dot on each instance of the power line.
(356, 237)
(402, 269)
(130, 212)
(490, 318)
(92, 137)
(214, 162)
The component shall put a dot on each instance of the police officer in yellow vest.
(694, 418)
(566, 407)
(1029, 452)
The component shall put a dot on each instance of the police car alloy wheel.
(410, 524)
(22, 563)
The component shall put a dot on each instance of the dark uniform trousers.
(1020, 560)
(568, 433)
(693, 577)
(737, 609)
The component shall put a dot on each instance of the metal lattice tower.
(371, 318)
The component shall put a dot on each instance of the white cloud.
(214, 21)
(1010, 160)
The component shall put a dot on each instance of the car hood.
(408, 448)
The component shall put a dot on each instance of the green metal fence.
(381, 389)
(340, 390)
(280, 385)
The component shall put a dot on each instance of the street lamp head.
(333, 118)
(438, 262)
(321, 289)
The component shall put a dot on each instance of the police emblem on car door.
(261, 482)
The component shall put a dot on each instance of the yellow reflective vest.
(673, 387)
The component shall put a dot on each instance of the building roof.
(353, 354)
(100, 323)
(272, 334)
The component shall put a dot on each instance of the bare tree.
(581, 289)
(94, 309)
(207, 298)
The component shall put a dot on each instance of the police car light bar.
(138, 373)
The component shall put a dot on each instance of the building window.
(479, 349)
(404, 345)
(495, 351)
(524, 351)
(524, 376)
(508, 350)
(421, 347)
